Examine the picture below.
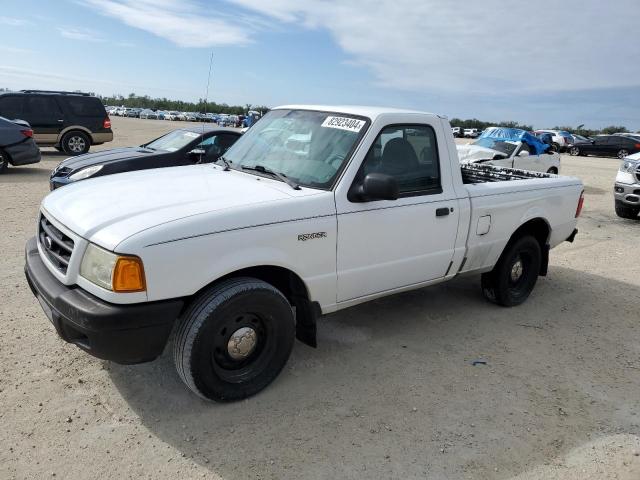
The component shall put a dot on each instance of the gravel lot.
(390, 392)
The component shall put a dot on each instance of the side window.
(216, 145)
(39, 106)
(409, 153)
(11, 107)
(85, 106)
(602, 140)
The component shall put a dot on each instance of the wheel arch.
(74, 128)
(292, 287)
(539, 228)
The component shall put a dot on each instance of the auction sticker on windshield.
(344, 123)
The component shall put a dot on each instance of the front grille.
(55, 244)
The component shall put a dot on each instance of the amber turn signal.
(128, 275)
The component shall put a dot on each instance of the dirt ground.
(391, 391)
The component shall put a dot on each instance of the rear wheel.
(553, 170)
(75, 143)
(512, 279)
(234, 340)
(626, 211)
(574, 151)
(555, 147)
(622, 153)
(4, 161)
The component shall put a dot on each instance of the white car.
(560, 139)
(627, 188)
(456, 131)
(510, 152)
(471, 132)
(240, 258)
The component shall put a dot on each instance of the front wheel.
(574, 151)
(234, 340)
(623, 153)
(555, 147)
(512, 279)
(553, 170)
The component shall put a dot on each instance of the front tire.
(574, 151)
(623, 153)
(555, 147)
(512, 279)
(626, 211)
(234, 339)
(553, 170)
(75, 143)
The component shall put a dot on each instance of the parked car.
(607, 146)
(71, 122)
(512, 148)
(561, 139)
(134, 112)
(17, 146)
(627, 188)
(457, 132)
(185, 146)
(471, 133)
(148, 114)
(239, 260)
(190, 117)
(578, 139)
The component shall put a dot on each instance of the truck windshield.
(308, 147)
(502, 146)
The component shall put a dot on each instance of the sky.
(542, 63)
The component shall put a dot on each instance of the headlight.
(628, 167)
(85, 173)
(114, 272)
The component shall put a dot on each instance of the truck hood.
(107, 210)
(474, 153)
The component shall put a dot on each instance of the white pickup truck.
(315, 209)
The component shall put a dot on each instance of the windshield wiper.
(227, 164)
(280, 176)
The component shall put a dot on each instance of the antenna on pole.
(206, 94)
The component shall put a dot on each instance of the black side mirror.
(375, 186)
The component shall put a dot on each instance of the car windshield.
(308, 147)
(501, 146)
(172, 141)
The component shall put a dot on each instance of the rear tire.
(234, 339)
(4, 162)
(574, 151)
(622, 153)
(553, 170)
(75, 143)
(512, 279)
(626, 211)
(555, 147)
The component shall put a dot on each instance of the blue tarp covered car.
(537, 146)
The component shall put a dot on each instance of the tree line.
(579, 130)
(145, 101)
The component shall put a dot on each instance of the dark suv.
(68, 121)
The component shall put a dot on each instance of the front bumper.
(629, 194)
(125, 334)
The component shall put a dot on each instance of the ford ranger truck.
(315, 209)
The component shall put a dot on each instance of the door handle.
(441, 212)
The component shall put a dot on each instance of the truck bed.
(474, 173)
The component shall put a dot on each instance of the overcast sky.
(545, 63)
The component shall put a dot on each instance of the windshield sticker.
(191, 134)
(344, 123)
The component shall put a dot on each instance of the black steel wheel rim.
(234, 370)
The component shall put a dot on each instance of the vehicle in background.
(148, 114)
(252, 117)
(17, 146)
(186, 146)
(190, 117)
(69, 121)
(511, 148)
(561, 139)
(161, 114)
(577, 140)
(457, 132)
(627, 188)
(471, 133)
(134, 112)
(171, 115)
(620, 146)
(239, 260)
